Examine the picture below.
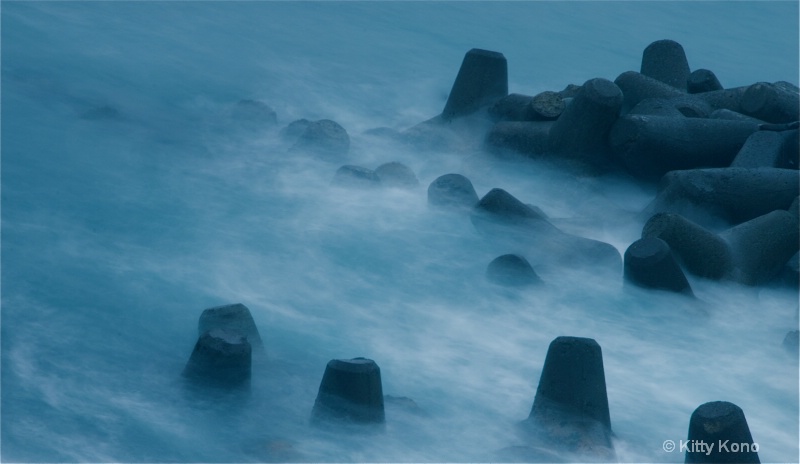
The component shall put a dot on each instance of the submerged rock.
(452, 191)
(324, 138)
(295, 129)
(503, 207)
(221, 358)
(512, 270)
(386, 133)
(500, 215)
(254, 114)
(396, 174)
(355, 176)
(462, 134)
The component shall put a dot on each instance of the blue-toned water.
(131, 202)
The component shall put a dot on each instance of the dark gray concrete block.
(716, 423)
(702, 252)
(233, 317)
(530, 138)
(573, 381)
(772, 103)
(221, 358)
(656, 107)
(500, 215)
(794, 208)
(769, 149)
(727, 195)
(677, 107)
(791, 149)
(570, 411)
(504, 207)
(649, 263)
(581, 132)
(513, 107)
(692, 107)
(702, 80)
(665, 60)
(762, 246)
(637, 87)
(724, 113)
(570, 91)
(730, 99)
(481, 81)
(350, 390)
(547, 106)
(651, 146)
